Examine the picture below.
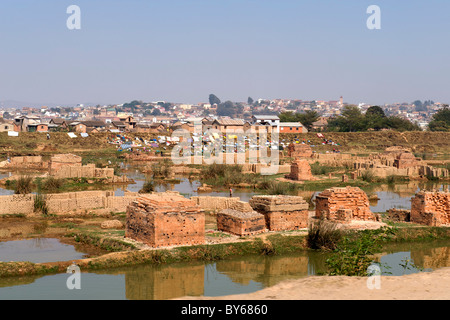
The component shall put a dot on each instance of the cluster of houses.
(126, 123)
(268, 123)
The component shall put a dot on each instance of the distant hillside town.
(278, 115)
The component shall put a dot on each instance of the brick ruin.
(70, 166)
(215, 204)
(431, 208)
(398, 161)
(300, 171)
(344, 204)
(299, 151)
(25, 162)
(165, 220)
(63, 160)
(240, 223)
(281, 212)
(68, 203)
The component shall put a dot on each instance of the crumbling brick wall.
(281, 212)
(240, 223)
(431, 208)
(158, 220)
(344, 204)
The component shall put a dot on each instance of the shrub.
(23, 185)
(368, 176)
(354, 254)
(323, 235)
(147, 187)
(162, 169)
(52, 184)
(318, 169)
(40, 204)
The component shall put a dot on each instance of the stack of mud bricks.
(282, 213)
(405, 160)
(240, 223)
(28, 162)
(300, 171)
(165, 220)
(63, 160)
(299, 151)
(344, 204)
(431, 208)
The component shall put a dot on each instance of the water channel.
(224, 277)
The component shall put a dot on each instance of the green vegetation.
(323, 235)
(40, 204)
(440, 121)
(23, 185)
(226, 175)
(162, 169)
(148, 187)
(355, 252)
(307, 118)
(320, 169)
(353, 120)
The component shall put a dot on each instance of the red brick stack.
(431, 208)
(240, 223)
(165, 220)
(300, 171)
(344, 204)
(282, 212)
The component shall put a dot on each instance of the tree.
(307, 119)
(375, 118)
(213, 99)
(440, 121)
(350, 120)
(226, 108)
(6, 115)
(401, 124)
(250, 100)
(375, 111)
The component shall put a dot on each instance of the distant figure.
(48, 136)
(231, 192)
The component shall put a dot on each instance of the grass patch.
(23, 185)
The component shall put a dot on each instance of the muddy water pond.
(38, 250)
(233, 276)
(389, 196)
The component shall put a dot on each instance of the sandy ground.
(419, 286)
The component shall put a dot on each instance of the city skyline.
(181, 51)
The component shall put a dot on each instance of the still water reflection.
(243, 275)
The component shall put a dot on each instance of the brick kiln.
(431, 208)
(281, 212)
(240, 223)
(165, 220)
(344, 204)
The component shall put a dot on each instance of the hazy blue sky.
(183, 50)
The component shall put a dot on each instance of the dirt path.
(419, 286)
